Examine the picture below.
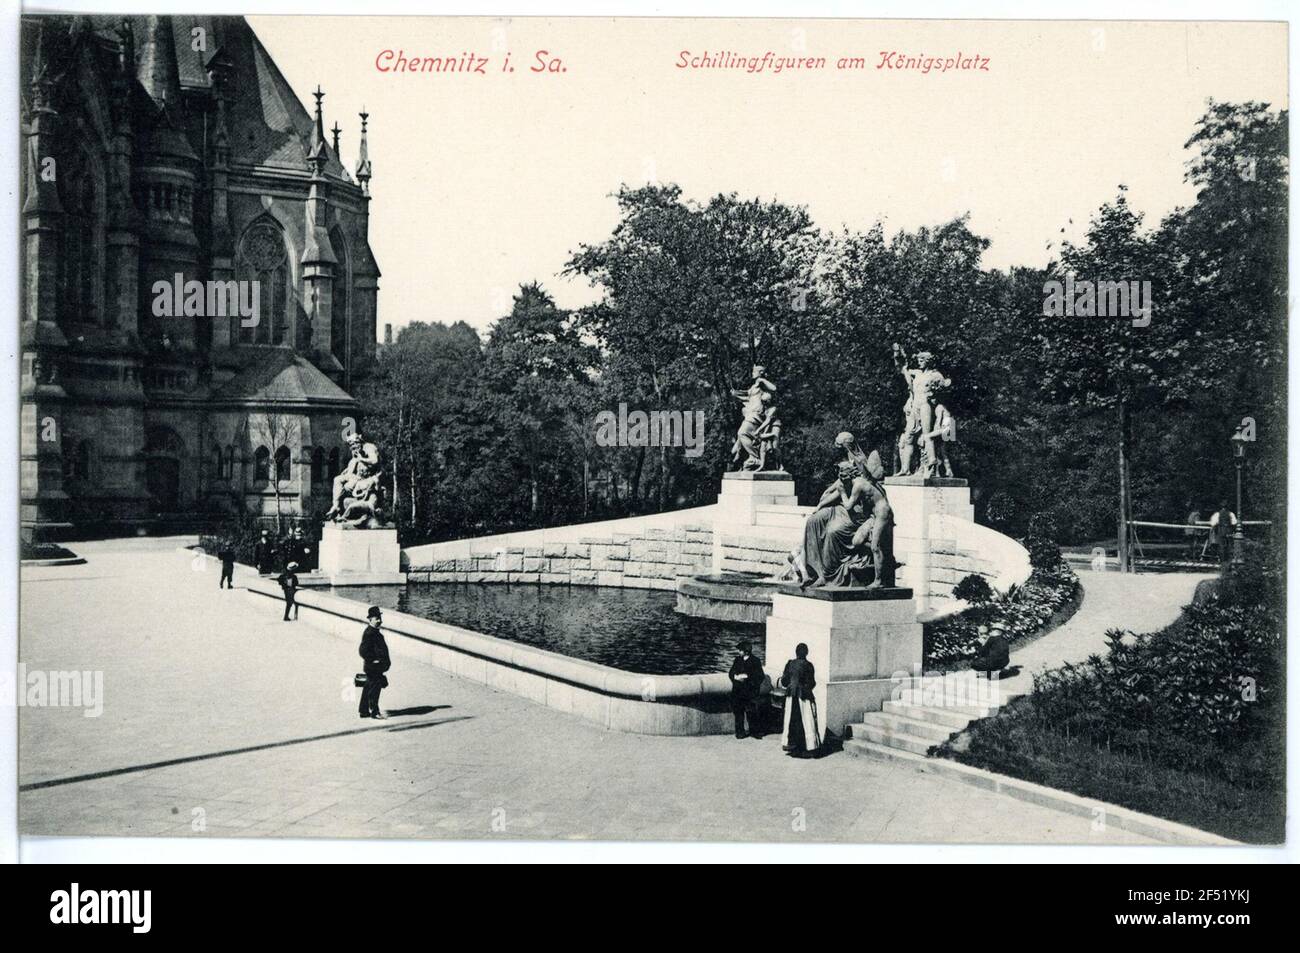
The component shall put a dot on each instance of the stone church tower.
(165, 146)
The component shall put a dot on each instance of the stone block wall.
(651, 558)
(766, 555)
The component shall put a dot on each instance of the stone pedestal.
(860, 642)
(360, 557)
(742, 493)
(914, 501)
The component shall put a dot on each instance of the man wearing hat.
(288, 581)
(264, 555)
(994, 652)
(746, 681)
(375, 662)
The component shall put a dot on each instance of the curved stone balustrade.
(611, 697)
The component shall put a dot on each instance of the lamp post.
(1239, 458)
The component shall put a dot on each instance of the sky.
(486, 181)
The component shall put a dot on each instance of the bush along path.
(1185, 722)
(1047, 599)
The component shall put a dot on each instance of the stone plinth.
(743, 492)
(915, 500)
(860, 641)
(360, 557)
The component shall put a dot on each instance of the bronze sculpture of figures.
(921, 446)
(356, 489)
(849, 538)
(759, 436)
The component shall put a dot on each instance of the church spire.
(363, 156)
(318, 154)
(335, 132)
(159, 74)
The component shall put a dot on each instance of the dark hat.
(373, 612)
(745, 645)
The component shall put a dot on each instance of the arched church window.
(282, 460)
(219, 464)
(317, 466)
(262, 258)
(334, 463)
(79, 240)
(262, 465)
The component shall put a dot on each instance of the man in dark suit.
(264, 555)
(299, 551)
(375, 662)
(227, 557)
(746, 681)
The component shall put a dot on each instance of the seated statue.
(356, 489)
(848, 539)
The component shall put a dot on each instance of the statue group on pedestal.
(759, 437)
(927, 425)
(848, 541)
(849, 538)
(357, 488)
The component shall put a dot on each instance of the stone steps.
(889, 737)
(920, 698)
(860, 747)
(921, 717)
(921, 728)
(939, 716)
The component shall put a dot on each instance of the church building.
(168, 152)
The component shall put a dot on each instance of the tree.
(537, 384)
(276, 430)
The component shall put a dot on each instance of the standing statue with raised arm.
(916, 450)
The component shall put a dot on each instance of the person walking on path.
(746, 681)
(800, 734)
(227, 557)
(288, 581)
(375, 662)
(264, 555)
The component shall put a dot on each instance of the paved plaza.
(220, 720)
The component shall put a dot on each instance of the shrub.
(1043, 553)
(974, 588)
(1021, 611)
(1046, 525)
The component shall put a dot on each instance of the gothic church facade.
(157, 147)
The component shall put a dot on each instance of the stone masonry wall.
(765, 555)
(651, 559)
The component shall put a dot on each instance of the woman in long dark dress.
(800, 734)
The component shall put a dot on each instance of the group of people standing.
(801, 735)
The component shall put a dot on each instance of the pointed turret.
(363, 156)
(158, 72)
(318, 154)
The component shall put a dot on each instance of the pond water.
(636, 630)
